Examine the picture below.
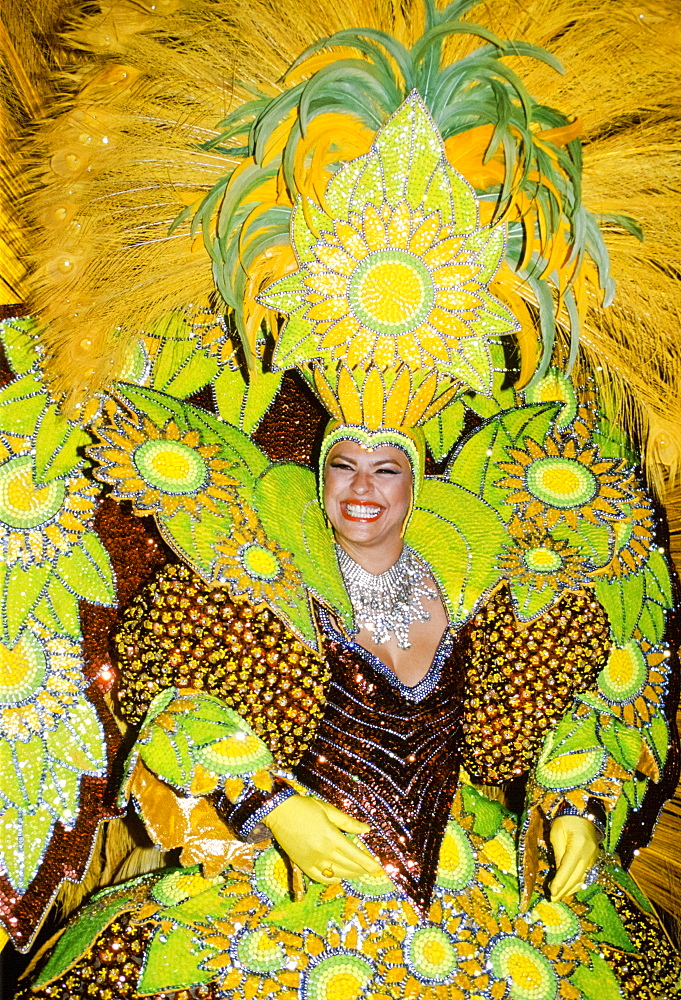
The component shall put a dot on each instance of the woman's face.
(367, 494)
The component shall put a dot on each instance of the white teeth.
(358, 510)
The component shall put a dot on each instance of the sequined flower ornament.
(566, 481)
(395, 266)
(538, 560)
(163, 470)
(50, 737)
(38, 523)
(255, 566)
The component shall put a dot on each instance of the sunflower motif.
(398, 286)
(578, 415)
(214, 335)
(563, 481)
(538, 560)
(40, 680)
(39, 523)
(633, 537)
(162, 471)
(393, 268)
(253, 565)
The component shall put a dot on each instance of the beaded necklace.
(387, 603)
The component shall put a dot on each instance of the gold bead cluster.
(181, 631)
(522, 679)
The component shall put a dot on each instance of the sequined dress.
(446, 920)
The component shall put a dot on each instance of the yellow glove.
(576, 843)
(310, 833)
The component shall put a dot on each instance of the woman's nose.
(361, 483)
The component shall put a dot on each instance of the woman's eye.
(340, 465)
(390, 472)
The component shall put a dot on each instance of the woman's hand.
(310, 833)
(576, 844)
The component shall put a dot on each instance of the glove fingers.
(342, 820)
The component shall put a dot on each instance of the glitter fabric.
(390, 761)
(521, 681)
(183, 632)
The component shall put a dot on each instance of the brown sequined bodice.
(388, 755)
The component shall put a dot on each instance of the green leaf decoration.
(58, 445)
(472, 363)
(19, 342)
(652, 622)
(30, 762)
(64, 606)
(595, 541)
(659, 732)
(11, 787)
(475, 464)
(202, 909)
(598, 981)
(61, 792)
(81, 570)
(309, 913)
(488, 814)
(22, 590)
(529, 602)
(616, 820)
(626, 882)
(230, 390)
(634, 792)
(658, 580)
(78, 741)
(85, 929)
(262, 388)
(178, 533)
(612, 931)
(465, 567)
(168, 756)
(305, 534)
(444, 429)
(21, 403)
(155, 405)
(622, 743)
(623, 602)
(99, 558)
(195, 372)
(296, 343)
(574, 737)
(31, 829)
(408, 167)
(173, 961)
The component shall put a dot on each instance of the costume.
(415, 223)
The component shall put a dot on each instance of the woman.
(428, 902)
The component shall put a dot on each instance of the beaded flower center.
(23, 505)
(22, 669)
(561, 482)
(170, 466)
(391, 291)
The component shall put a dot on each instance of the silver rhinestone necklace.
(387, 603)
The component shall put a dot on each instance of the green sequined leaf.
(262, 389)
(488, 814)
(58, 445)
(658, 580)
(23, 839)
(466, 567)
(465, 216)
(21, 403)
(652, 622)
(61, 792)
(368, 186)
(622, 743)
(81, 573)
(475, 465)
(594, 541)
(30, 761)
(285, 295)
(305, 534)
(410, 148)
(597, 982)
(87, 747)
(84, 930)
(16, 335)
(23, 588)
(196, 372)
(444, 429)
(573, 736)
(11, 787)
(230, 389)
(626, 882)
(438, 197)
(173, 961)
(155, 405)
(296, 343)
(64, 604)
(168, 756)
(659, 732)
(623, 602)
(529, 601)
(178, 532)
(612, 931)
(309, 913)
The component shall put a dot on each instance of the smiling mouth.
(361, 511)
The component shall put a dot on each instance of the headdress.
(401, 222)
